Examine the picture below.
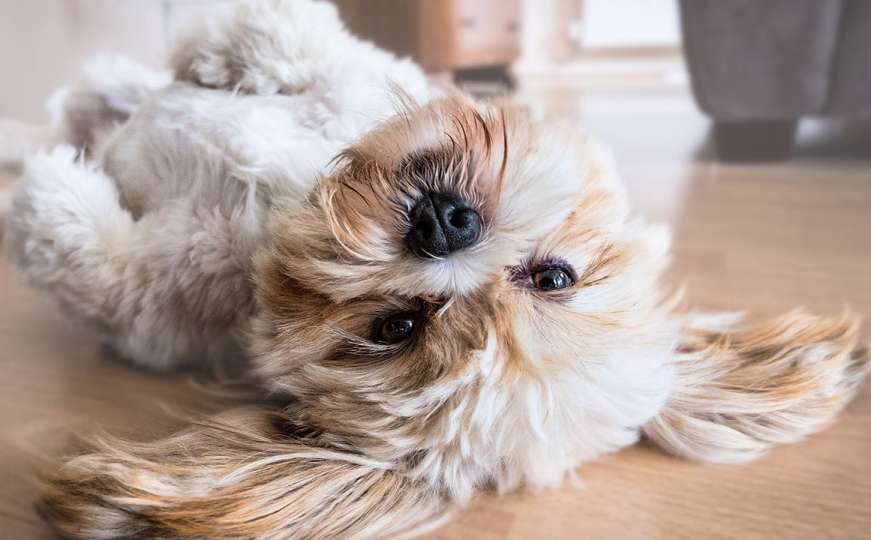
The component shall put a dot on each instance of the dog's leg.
(739, 391)
(108, 90)
(291, 47)
(149, 285)
(262, 47)
(239, 475)
(63, 224)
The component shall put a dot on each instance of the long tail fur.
(242, 474)
(739, 391)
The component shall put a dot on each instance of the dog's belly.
(198, 170)
(209, 146)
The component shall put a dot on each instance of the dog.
(449, 295)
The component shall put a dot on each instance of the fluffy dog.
(450, 294)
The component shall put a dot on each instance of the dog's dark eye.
(551, 279)
(396, 328)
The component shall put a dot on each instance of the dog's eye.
(552, 279)
(395, 328)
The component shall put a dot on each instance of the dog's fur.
(288, 150)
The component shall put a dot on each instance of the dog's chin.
(461, 301)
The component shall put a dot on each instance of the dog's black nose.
(441, 224)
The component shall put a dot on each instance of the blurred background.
(742, 124)
(754, 68)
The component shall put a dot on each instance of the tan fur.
(236, 476)
(502, 386)
(741, 390)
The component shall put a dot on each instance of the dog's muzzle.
(442, 223)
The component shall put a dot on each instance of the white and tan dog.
(449, 294)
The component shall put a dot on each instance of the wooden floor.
(765, 238)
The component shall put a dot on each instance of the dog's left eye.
(395, 328)
(552, 279)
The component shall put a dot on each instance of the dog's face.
(460, 303)
(458, 247)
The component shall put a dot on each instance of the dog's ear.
(233, 477)
(740, 390)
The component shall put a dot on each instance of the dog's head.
(462, 301)
(462, 253)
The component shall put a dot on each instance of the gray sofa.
(758, 66)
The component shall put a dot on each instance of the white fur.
(186, 173)
(147, 221)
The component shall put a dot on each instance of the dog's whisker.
(426, 309)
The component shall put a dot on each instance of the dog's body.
(451, 292)
(186, 175)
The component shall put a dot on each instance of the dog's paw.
(62, 223)
(263, 47)
(62, 204)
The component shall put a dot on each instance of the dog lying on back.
(450, 294)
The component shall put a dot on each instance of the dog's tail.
(738, 391)
(249, 473)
